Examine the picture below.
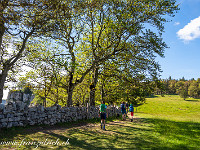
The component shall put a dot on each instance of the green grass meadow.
(176, 121)
(172, 107)
(163, 123)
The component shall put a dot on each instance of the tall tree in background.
(194, 89)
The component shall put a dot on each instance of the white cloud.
(191, 31)
(176, 23)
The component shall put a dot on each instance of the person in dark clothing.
(123, 110)
(127, 106)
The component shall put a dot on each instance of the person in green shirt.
(102, 111)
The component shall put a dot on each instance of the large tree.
(194, 89)
(116, 30)
(108, 31)
(19, 20)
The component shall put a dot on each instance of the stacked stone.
(11, 115)
(19, 114)
(112, 111)
(14, 96)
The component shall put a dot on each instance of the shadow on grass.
(179, 135)
(152, 96)
(11, 133)
(192, 100)
(74, 142)
(163, 134)
(144, 133)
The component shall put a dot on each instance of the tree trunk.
(93, 86)
(102, 91)
(2, 81)
(10, 62)
(69, 98)
(92, 97)
(4, 72)
(57, 96)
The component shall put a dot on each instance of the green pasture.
(162, 123)
(171, 107)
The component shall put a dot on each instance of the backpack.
(103, 108)
(131, 108)
(126, 104)
(122, 107)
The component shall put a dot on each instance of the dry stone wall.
(14, 96)
(19, 114)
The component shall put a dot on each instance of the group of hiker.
(125, 108)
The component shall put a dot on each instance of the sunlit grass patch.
(162, 123)
(172, 107)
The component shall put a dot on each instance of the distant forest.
(184, 88)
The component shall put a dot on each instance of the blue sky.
(182, 35)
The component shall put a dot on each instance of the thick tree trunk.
(10, 62)
(2, 81)
(1, 93)
(3, 73)
(93, 86)
(70, 83)
(70, 94)
(57, 96)
(102, 92)
(92, 97)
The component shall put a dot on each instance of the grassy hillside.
(171, 107)
(175, 121)
(163, 123)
